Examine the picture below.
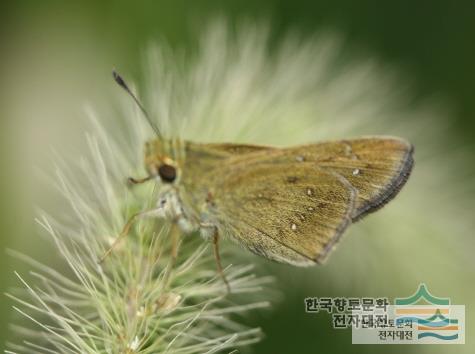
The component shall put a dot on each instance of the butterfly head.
(158, 163)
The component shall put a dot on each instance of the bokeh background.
(56, 55)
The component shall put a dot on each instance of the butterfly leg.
(175, 242)
(218, 259)
(126, 229)
(210, 233)
(132, 181)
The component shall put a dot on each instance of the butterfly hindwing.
(285, 212)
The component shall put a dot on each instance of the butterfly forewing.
(376, 167)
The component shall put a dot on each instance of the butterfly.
(289, 205)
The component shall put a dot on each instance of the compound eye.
(167, 173)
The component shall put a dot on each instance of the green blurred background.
(54, 55)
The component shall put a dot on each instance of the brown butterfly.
(290, 205)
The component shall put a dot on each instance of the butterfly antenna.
(122, 84)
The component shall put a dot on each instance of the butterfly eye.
(167, 173)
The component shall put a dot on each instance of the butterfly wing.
(376, 167)
(204, 164)
(290, 213)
